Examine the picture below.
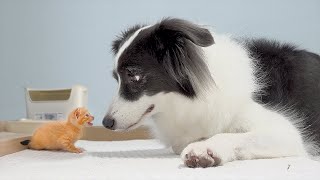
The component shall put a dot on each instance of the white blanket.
(142, 159)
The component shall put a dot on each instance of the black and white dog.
(213, 98)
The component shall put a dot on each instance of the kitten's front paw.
(77, 150)
(198, 154)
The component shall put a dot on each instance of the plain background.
(59, 43)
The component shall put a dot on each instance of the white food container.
(54, 104)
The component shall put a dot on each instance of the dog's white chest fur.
(192, 120)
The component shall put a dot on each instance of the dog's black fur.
(293, 80)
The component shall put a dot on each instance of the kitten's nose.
(108, 122)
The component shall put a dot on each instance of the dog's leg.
(269, 135)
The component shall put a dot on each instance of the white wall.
(58, 43)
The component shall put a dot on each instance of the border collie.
(214, 98)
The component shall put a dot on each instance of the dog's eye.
(137, 77)
(132, 75)
(134, 78)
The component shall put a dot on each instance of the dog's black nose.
(108, 122)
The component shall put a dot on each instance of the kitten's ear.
(76, 113)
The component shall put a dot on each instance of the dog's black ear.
(178, 30)
(176, 42)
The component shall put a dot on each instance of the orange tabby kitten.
(61, 135)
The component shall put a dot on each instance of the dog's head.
(153, 61)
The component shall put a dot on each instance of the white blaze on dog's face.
(129, 115)
(151, 61)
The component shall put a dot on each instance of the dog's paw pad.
(191, 160)
(199, 156)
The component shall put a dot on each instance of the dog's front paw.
(198, 154)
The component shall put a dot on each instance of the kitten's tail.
(25, 142)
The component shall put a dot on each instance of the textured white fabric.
(142, 159)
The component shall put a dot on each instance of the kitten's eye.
(87, 115)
